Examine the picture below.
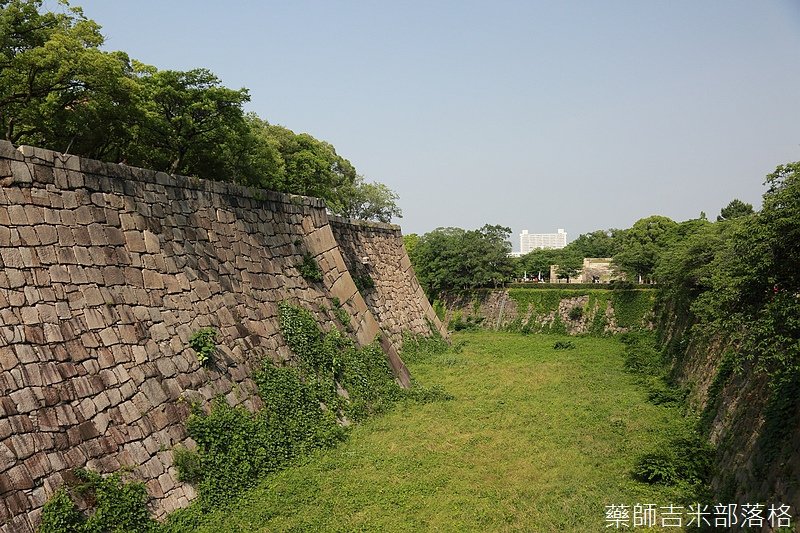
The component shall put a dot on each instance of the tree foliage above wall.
(59, 90)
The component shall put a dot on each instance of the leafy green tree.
(494, 264)
(686, 268)
(259, 158)
(537, 262)
(735, 209)
(741, 274)
(642, 245)
(371, 201)
(452, 258)
(410, 242)
(569, 264)
(599, 243)
(437, 259)
(190, 122)
(304, 165)
(57, 88)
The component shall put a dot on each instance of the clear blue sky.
(535, 115)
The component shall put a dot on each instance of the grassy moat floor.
(536, 439)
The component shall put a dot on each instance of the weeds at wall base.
(687, 459)
(235, 448)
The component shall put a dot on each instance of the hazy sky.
(534, 115)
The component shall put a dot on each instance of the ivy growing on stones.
(114, 504)
(340, 312)
(363, 282)
(203, 342)
(307, 406)
(309, 268)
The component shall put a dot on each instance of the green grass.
(536, 439)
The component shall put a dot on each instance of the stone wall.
(754, 463)
(106, 271)
(376, 258)
(600, 312)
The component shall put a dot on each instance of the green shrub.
(120, 505)
(657, 467)
(641, 356)
(557, 326)
(440, 309)
(781, 417)
(661, 393)
(725, 370)
(421, 394)
(418, 348)
(369, 381)
(686, 459)
(189, 465)
(309, 268)
(61, 515)
(576, 313)
(235, 447)
(599, 321)
(459, 323)
(301, 410)
(340, 312)
(117, 506)
(622, 285)
(364, 282)
(203, 342)
(300, 330)
(631, 307)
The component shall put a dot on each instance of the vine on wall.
(307, 406)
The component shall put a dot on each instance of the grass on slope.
(536, 439)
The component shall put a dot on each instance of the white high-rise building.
(532, 241)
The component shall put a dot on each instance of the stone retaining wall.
(376, 258)
(105, 273)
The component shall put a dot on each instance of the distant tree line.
(452, 258)
(737, 278)
(59, 90)
(695, 255)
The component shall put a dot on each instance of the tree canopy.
(452, 258)
(735, 209)
(599, 243)
(740, 273)
(59, 90)
(642, 245)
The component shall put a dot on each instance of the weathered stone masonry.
(107, 270)
(375, 251)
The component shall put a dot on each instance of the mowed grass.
(536, 439)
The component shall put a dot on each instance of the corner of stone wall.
(397, 300)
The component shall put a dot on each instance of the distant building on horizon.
(532, 241)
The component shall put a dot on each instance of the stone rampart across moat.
(107, 270)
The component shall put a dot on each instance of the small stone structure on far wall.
(594, 270)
